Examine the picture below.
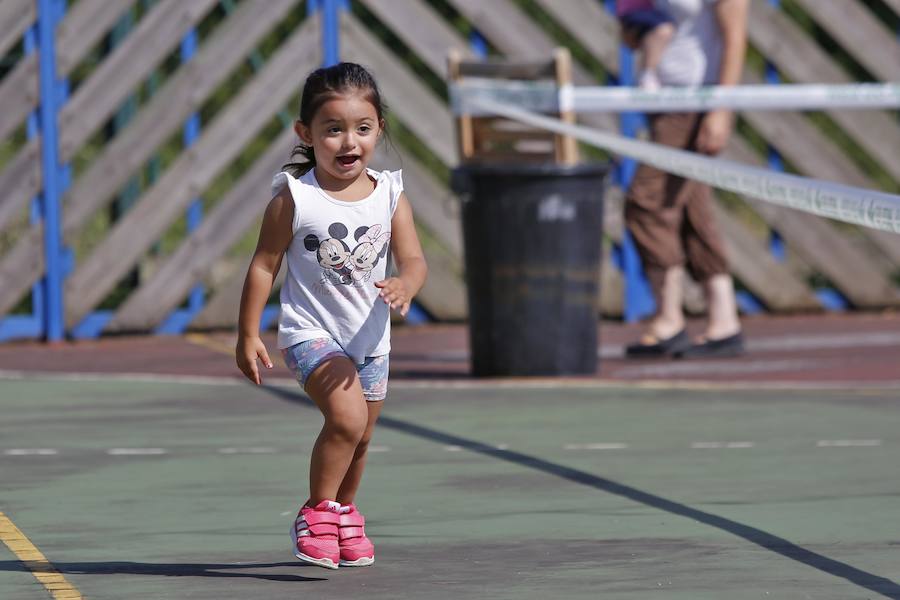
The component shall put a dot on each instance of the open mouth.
(348, 161)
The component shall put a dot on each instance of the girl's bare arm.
(399, 291)
(274, 237)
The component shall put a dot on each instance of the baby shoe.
(315, 534)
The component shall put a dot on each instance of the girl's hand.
(395, 294)
(246, 353)
(715, 129)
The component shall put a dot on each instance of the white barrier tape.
(860, 206)
(544, 97)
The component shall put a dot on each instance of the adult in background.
(672, 219)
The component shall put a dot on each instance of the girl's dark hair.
(323, 85)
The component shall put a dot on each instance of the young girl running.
(339, 223)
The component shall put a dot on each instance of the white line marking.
(255, 450)
(136, 451)
(31, 452)
(596, 446)
(453, 448)
(847, 443)
(710, 445)
(528, 383)
(502, 446)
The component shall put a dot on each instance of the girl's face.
(343, 134)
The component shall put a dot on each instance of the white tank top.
(693, 56)
(338, 252)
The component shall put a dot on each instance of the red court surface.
(829, 350)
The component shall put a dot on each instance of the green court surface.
(177, 489)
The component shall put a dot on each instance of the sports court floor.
(142, 468)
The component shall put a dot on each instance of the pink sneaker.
(315, 534)
(356, 549)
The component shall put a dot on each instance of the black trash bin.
(532, 236)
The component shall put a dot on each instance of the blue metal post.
(478, 44)
(331, 27)
(179, 319)
(49, 14)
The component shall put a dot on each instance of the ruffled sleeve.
(396, 187)
(281, 180)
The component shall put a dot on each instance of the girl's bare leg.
(347, 491)
(336, 390)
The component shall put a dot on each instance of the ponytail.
(298, 169)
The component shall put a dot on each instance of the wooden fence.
(145, 270)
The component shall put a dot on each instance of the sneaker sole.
(319, 562)
(359, 562)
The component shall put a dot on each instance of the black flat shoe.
(726, 347)
(677, 343)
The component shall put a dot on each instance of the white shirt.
(694, 55)
(338, 252)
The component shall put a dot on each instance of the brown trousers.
(671, 218)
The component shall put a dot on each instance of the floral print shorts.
(304, 358)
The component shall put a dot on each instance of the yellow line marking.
(58, 586)
(207, 342)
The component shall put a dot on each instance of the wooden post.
(566, 146)
(464, 139)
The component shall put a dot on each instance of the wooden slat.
(21, 259)
(75, 36)
(754, 266)
(19, 182)
(221, 228)
(419, 109)
(612, 288)
(82, 28)
(804, 145)
(794, 137)
(191, 173)
(16, 16)
(791, 50)
(422, 29)
(131, 62)
(171, 105)
(591, 25)
(221, 310)
(433, 204)
(444, 293)
(860, 33)
(18, 94)
(824, 247)
(894, 4)
(167, 109)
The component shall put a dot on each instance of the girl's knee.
(347, 424)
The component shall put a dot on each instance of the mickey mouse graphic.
(372, 245)
(332, 254)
